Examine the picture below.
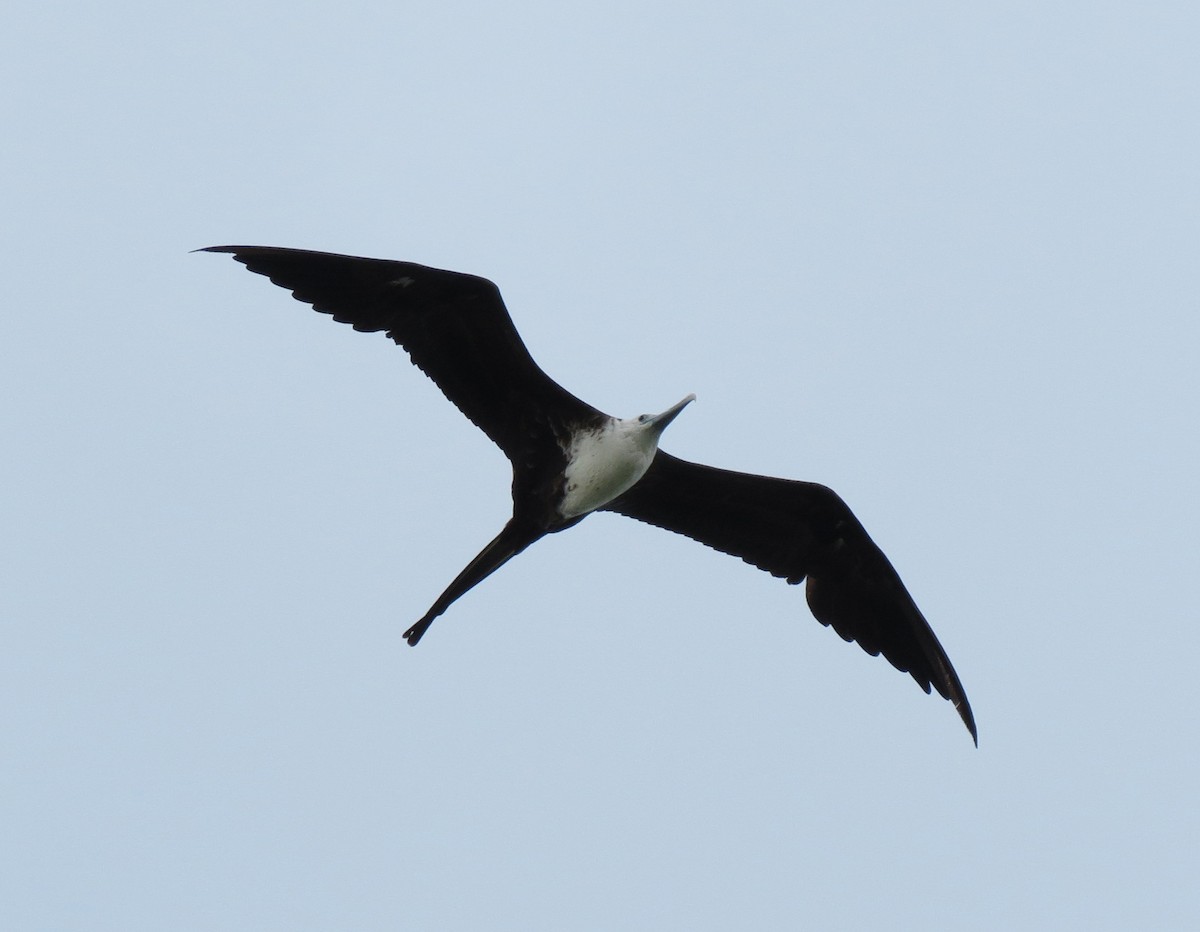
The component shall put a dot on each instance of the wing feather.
(455, 328)
(798, 530)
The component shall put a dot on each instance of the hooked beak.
(660, 421)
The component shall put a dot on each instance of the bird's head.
(650, 426)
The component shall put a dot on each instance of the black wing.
(796, 530)
(454, 326)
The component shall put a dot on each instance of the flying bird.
(570, 459)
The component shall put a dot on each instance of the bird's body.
(570, 459)
(608, 460)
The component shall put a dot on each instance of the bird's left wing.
(796, 530)
(454, 326)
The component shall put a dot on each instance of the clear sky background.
(939, 256)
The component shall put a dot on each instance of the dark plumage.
(457, 330)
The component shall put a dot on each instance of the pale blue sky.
(939, 256)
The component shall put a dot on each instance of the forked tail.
(507, 544)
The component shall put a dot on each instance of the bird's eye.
(643, 418)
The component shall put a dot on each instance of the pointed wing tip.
(232, 250)
(949, 688)
(964, 710)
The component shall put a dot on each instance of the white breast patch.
(602, 464)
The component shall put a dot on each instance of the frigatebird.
(570, 459)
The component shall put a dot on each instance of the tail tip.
(414, 634)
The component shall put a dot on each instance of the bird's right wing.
(454, 326)
(796, 530)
